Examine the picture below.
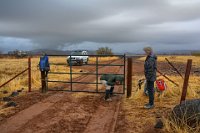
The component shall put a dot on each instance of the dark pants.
(150, 88)
(111, 90)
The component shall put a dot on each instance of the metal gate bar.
(82, 73)
(71, 73)
(89, 64)
(82, 91)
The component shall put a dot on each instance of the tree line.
(104, 51)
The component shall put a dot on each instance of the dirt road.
(65, 112)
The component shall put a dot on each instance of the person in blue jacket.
(150, 67)
(44, 68)
(44, 64)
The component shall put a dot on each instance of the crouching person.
(109, 81)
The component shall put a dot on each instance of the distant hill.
(54, 52)
(166, 52)
(48, 51)
(90, 52)
(196, 53)
(172, 52)
(175, 52)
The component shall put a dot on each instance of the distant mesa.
(20, 53)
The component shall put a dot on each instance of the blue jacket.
(150, 67)
(44, 63)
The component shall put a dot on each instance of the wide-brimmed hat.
(147, 49)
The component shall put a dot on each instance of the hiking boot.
(148, 106)
(108, 100)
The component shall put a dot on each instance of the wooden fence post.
(29, 74)
(185, 84)
(129, 77)
(43, 78)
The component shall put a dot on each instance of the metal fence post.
(29, 74)
(129, 77)
(70, 71)
(186, 80)
(97, 74)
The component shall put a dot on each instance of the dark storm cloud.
(61, 23)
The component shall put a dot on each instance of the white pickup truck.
(78, 58)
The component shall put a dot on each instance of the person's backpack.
(161, 85)
(44, 63)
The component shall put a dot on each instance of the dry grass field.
(132, 116)
(137, 119)
(9, 67)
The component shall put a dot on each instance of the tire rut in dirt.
(68, 115)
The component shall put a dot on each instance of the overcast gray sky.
(124, 25)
